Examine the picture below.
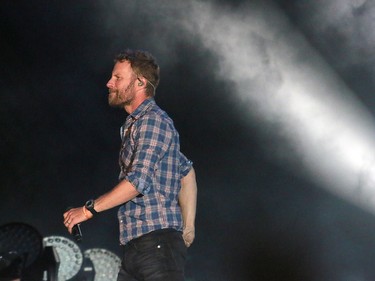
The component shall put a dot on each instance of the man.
(157, 187)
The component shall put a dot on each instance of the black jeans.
(156, 256)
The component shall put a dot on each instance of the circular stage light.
(20, 239)
(69, 253)
(106, 264)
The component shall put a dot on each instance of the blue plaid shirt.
(150, 159)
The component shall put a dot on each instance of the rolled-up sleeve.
(185, 165)
(152, 137)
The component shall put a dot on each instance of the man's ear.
(141, 81)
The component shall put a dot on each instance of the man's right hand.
(74, 216)
(188, 234)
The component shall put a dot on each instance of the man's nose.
(110, 84)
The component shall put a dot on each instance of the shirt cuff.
(141, 185)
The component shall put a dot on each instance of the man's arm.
(188, 203)
(121, 193)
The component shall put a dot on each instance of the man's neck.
(130, 108)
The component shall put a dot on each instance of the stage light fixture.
(20, 246)
(69, 253)
(106, 264)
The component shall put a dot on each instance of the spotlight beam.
(284, 81)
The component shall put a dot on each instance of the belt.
(151, 234)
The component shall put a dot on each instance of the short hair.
(144, 65)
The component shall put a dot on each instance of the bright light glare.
(285, 82)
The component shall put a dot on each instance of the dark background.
(256, 219)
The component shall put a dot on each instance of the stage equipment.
(69, 253)
(20, 246)
(106, 264)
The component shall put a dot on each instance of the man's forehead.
(122, 67)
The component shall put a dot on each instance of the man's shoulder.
(156, 111)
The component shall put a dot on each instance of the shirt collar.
(137, 113)
(142, 108)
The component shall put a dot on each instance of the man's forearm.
(120, 194)
(188, 198)
(188, 204)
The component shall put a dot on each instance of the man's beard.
(117, 98)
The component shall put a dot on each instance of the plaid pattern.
(150, 159)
